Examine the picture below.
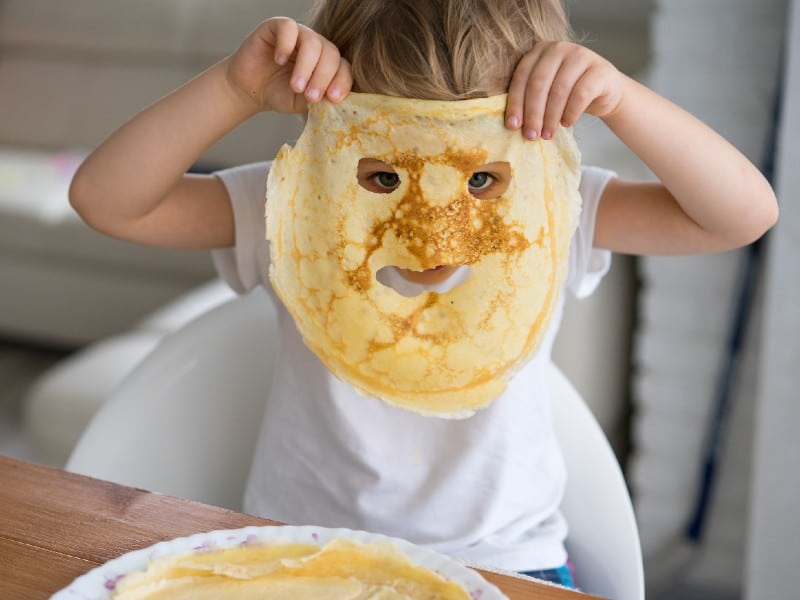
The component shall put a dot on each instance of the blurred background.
(690, 364)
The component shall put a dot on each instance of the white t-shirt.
(486, 489)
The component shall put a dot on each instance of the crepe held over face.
(444, 354)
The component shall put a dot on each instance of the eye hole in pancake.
(490, 181)
(377, 176)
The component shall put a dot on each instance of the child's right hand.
(134, 186)
(283, 65)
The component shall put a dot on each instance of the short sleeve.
(245, 265)
(587, 264)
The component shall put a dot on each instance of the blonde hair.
(437, 49)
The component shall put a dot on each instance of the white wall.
(719, 59)
(774, 529)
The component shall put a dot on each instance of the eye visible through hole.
(386, 180)
(377, 176)
(490, 181)
(480, 180)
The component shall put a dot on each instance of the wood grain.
(55, 526)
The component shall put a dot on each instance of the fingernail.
(281, 59)
(334, 93)
(531, 134)
(546, 135)
(513, 122)
(312, 94)
(299, 84)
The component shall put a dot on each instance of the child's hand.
(283, 65)
(555, 83)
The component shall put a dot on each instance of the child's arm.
(710, 197)
(134, 185)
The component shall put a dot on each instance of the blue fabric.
(561, 575)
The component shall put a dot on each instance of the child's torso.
(486, 488)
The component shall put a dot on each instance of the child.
(489, 487)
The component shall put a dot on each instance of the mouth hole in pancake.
(409, 283)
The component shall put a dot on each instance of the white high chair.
(186, 420)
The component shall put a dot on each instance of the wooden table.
(55, 526)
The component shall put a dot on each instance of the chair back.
(186, 420)
(185, 423)
(603, 540)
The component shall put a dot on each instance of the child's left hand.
(555, 83)
(709, 197)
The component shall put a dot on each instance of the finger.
(284, 33)
(584, 93)
(324, 72)
(342, 82)
(515, 103)
(561, 90)
(537, 90)
(309, 49)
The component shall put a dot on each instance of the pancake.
(443, 354)
(340, 570)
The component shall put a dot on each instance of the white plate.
(99, 583)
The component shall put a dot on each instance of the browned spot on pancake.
(458, 233)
